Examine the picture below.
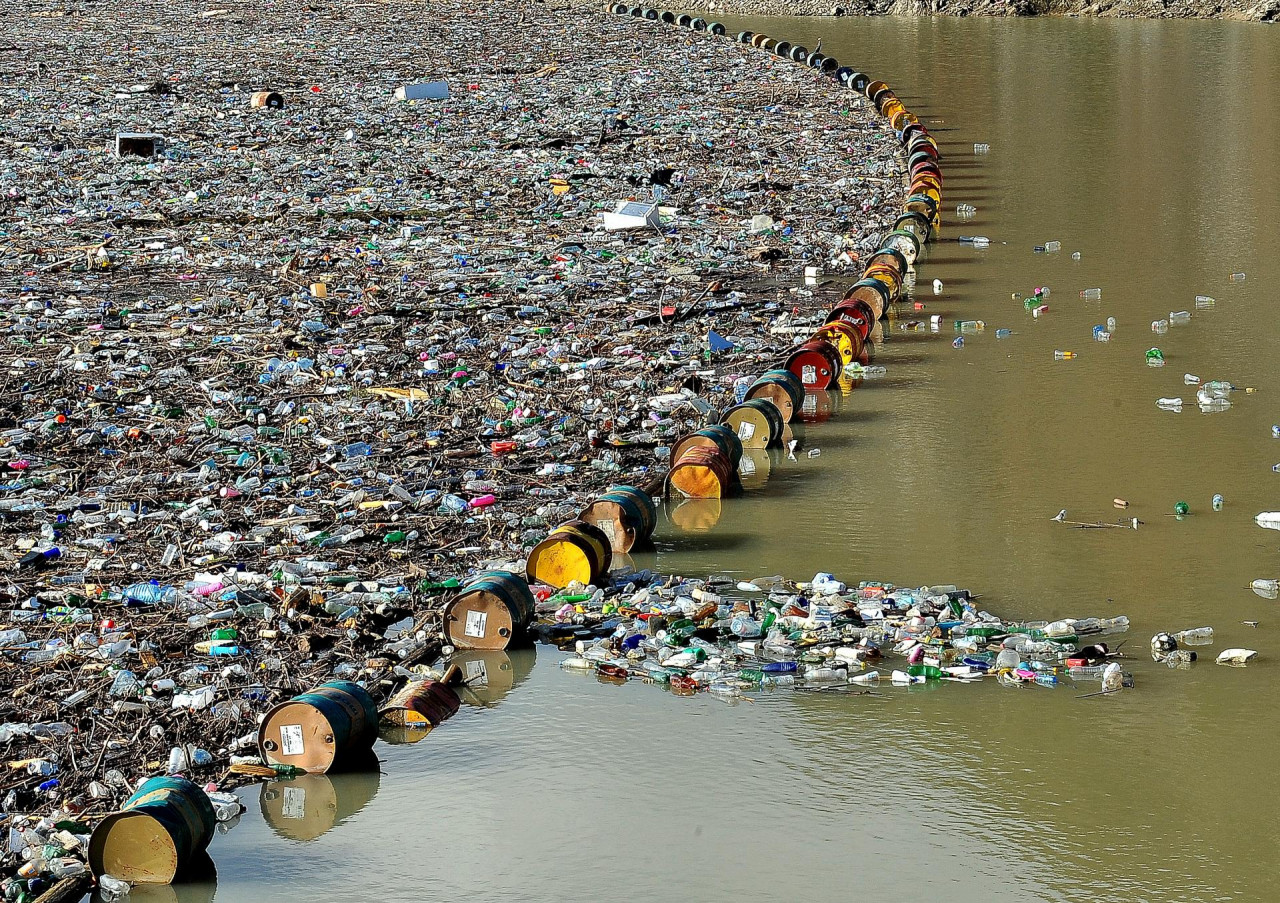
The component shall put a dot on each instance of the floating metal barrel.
(489, 611)
(783, 388)
(572, 551)
(757, 423)
(816, 363)
(716, 436)
(702, 473)
(161, 828)
(325, 728)
(626, 514)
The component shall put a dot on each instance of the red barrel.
(855, 312)
(816, 363)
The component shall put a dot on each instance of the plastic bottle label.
(291, 739)
(476, 621)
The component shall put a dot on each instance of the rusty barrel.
(783, 388)
(572, 551)
(321, 729)
(845, 337)
(626, 514)
(489, 611)
(887, 275)
(891, 256)
(716, 436)
(875, 293)
(816, 363)
(155, 835)
(702, 472)
(422, 704)
(856, 313)
(757, 423)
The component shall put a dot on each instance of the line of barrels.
(168, 823)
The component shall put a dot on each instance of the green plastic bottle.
(927, 671)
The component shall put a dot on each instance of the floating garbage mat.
(729, 638)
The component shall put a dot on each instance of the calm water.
(1149, 148)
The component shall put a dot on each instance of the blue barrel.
(333, 725)
(155, 835)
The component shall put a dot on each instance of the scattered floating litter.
(1169, 404)
(1091, 294)
(1155, 357)
(1236, 656)
(1064, 355)
(1267, 589)
(1237, 277)
(1075, 255)
(1204, 302)
(1051, 246)
(1269, 520)
(937, 286)
(1003, 333)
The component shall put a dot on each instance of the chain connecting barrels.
(156, 835)
(572, 551)
(489, 611)
(326, 728)
(626, 514)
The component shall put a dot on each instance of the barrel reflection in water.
(310, 806)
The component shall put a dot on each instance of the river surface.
(1149, 148)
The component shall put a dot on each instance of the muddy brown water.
(1149, 148)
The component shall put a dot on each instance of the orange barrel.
(891, 107)
(916, 223)
(845, 337)
(929, 191)
(902, 118)
(856, 313)
(695, 515)
(927, 180)
(873, 88)
(422, 704)
(572, 551)
(157, 832)
(753, 469)
(906, 242)
(921, 204)
(816, 362)
(318, 730)
(891, 256)
(489, 611)
(783, 388)
(757, 423)
(626, 514)
(716, 436)
(701, 473)
(887, 274)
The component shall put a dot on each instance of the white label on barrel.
(475, 623)
(607, 527)
(746, 466)
(291, 739)
(294, 804)
(746, 430)
(476, 673)
(808, 374)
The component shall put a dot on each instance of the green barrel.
(323, 729)
(626, 514)
(489, 611)
(155, 835)
(906, 242)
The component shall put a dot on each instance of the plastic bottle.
(1091, 294)
(1169, 404)
(1237, 277)
(1064, 355)
(1088, 672)
(1204, 302)
(1195, 636)
(1159, 327)
(1217, 501)
(1190, 379)
(1179, 317)
(1051, 246)
(1155, 357)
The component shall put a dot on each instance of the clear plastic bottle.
(1091, 294)
(1196, 636)
(1159, 327)
(1179, 317)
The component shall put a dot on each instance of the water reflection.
(489, 676)
(310, 806)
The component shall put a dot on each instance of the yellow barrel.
(572, 551)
